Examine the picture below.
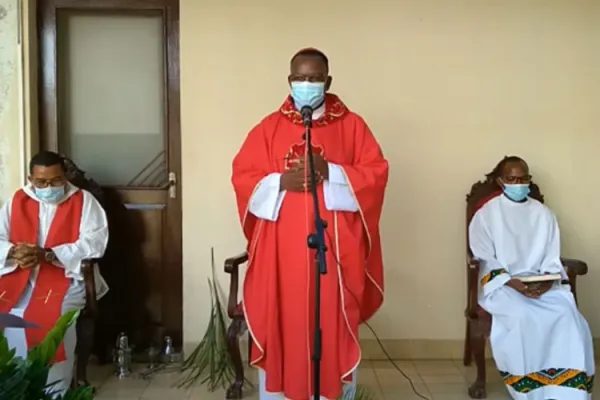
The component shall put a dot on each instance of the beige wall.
(11, 146)
(448, 87)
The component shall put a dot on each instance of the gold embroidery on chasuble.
(296, 152)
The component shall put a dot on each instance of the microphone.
(306, 112)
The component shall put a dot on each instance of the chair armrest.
(232, 263)
(91, 303)
(472, 287)
(232, 266)
(574, 267)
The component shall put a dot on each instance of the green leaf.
(81, 393)
(45, 351)
(6, 354)
(26, 379)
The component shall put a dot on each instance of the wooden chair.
(479, 322)
(237, 327)
(86, 326)
(87, 320)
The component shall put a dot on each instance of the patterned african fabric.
(492, 274)
(570, 378)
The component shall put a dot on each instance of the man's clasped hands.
(297, 179)
(26, 255)
(533, 290)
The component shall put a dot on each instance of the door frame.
(49, 123)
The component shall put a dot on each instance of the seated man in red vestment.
(46, 230)
(270, 178)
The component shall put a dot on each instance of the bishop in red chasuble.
(270, 178)
(46, 230)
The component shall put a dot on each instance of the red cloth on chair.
(484, 201)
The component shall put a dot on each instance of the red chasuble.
(278, 292)
(51, 285)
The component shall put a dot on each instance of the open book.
(539, 278)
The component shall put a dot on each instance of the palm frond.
(210, 363)
(362, 393)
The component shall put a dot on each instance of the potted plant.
(26, 379)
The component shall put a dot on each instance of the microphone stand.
(316, 241)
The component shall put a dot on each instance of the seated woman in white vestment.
(46, 230)
(540, 342)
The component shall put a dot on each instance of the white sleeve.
(93, 237)
(6, 267)
(551, 263)
(267, 199)
(337, 192)
(492, 275)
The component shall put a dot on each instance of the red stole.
(45, 306)
(278, 292)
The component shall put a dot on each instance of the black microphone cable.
(412, 385)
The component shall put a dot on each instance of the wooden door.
(109, 100)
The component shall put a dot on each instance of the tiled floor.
(435, 380)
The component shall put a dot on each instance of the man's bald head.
(511, 170)
(310, 65)
(310, 53)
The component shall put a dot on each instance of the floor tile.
(111, 396)
(470, 372)
(202, 394)
(436, 367)
(498, 396)
(440, 372)
(397, 384)
(395, 369)
(495, 388)
(389, 377)
(435, 380)
(437, 389)
(163, 386)
(406, 393)
(122, 389)
(98, 374)
(443, 379)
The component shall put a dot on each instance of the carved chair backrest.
(485, 190)
(77, 177)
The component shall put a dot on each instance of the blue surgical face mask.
(51, 194)
(516, 192)
(308, 94)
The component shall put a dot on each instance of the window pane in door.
(111, 96)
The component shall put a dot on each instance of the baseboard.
(401, 349)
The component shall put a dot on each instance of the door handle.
(172, 185)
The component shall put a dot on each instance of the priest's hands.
(543, 287)
(518, 286)
(531, 291)
(294, 180)
(321, 166)
(297, 179)
(26, 255)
